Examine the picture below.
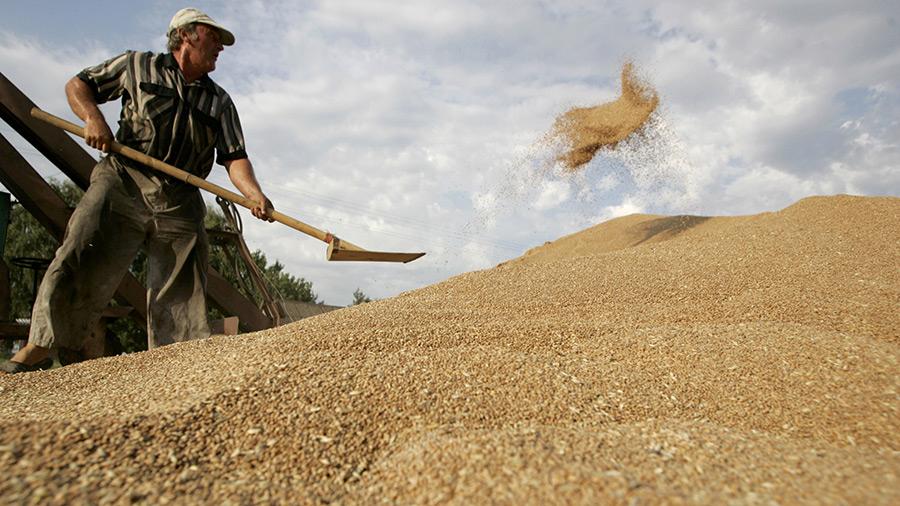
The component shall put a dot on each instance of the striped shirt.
(165, 117)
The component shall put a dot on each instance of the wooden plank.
(14, 331)
(227, 326)
(251, 318)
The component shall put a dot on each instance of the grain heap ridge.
(678, 360)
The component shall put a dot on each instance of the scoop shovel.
(338, 249)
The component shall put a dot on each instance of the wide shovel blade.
(352, 255)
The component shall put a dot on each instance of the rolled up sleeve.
(230, 145)
(108, 79)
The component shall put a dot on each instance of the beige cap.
(191, 15)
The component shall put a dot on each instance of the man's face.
(206, 47)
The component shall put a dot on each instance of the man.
(172, 111)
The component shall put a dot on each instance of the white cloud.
(626, 208)
(40, 71)
(552, 194)
(417, 125)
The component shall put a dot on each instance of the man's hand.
(97, 133)
(240, 171)
(81, 99)
(264, 209)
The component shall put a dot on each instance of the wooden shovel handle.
(192, 179)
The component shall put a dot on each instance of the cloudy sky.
(419, 126)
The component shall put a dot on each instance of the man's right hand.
(81, 99)
(97, 133)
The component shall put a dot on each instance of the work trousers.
(123, 210)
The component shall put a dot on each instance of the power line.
(425, 227)
(391, 219)
(355, 208)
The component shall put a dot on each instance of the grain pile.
(585, 130)
(654, 359)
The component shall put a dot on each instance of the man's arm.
(240, 171)
(81, 99)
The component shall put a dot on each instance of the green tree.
(286, 285)
(359, 297)
(225, 259)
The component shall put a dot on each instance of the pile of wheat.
(665, 359)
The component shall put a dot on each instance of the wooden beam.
(14, 331)
(251, 318)
(53, 143)
(32, 192)
(5, 295)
